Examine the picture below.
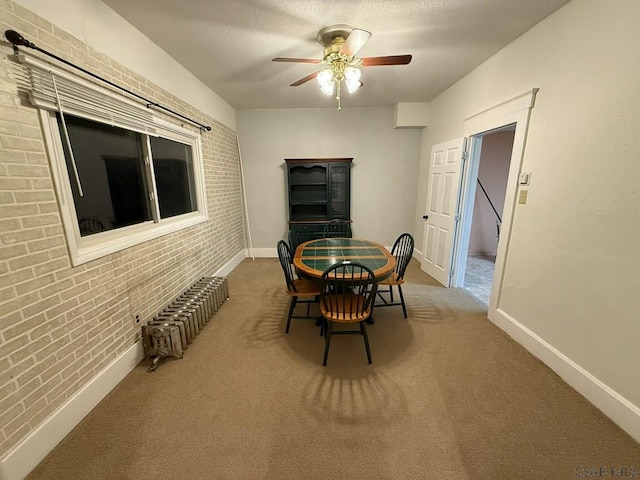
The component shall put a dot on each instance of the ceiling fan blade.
(295, 60)
(305, 79)
(388, 60)
(355, 41)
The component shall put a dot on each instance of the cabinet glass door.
(339, 191)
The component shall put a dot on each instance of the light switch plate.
(522, 198)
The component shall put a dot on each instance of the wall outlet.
(136, 319)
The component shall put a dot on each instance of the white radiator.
(172, 330)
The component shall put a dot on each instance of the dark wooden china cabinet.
(319, 190)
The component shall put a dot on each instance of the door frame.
(516, 111)
(468, 191)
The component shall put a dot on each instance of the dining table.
(313, 257)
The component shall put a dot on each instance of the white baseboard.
(25, 456)
(620, 410)
(228, 267)
(262, 252)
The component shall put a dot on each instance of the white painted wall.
(411, 115)
(572, 266)
(95, 24)
(383, 176)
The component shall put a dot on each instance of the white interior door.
(445, 168)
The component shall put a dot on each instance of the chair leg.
(320, 322)
(404, 308)
(363, 330)
(390, 293)
(379, 295)
(292, 305)
(327, 341)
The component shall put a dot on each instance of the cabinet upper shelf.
(318, 191)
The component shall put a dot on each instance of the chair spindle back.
(348, 290)
(286, 261)
(402, 251)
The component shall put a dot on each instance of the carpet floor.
(448, 396)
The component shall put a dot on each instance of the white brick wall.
(59, 326)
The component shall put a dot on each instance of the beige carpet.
(449, 396)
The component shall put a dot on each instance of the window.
(122, 175)
(112, 186)
(110, 190)
(173, 173)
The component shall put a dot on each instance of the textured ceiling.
(229, 44)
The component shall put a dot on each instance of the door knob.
(426, 217)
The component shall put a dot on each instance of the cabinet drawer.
(307, 227)
(308, 231)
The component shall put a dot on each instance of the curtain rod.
(18, 40)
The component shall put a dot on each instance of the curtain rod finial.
(16, 39)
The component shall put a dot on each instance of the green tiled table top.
(339, 242)
(323, 263)
(321, 254)
(344, 252)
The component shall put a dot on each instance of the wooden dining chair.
(294, 240)
(402, 251)
(347, 296)
(337, 229)
(297, 288)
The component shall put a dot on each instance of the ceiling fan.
(339, 63)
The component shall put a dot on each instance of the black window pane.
(109, 161)
(173, 171)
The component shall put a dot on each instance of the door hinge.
(151, 196)
(465, 155)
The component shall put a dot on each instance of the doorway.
(488, 196)
(511, 115)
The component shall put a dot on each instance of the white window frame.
(91, 247)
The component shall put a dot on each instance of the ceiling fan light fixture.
(339, 62)
(325, 80)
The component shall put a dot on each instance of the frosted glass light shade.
(352, 86)
(352, 74)
(352, 78)
(325, 80)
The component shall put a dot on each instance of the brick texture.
(60, 325)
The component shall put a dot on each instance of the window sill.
(102, 244)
